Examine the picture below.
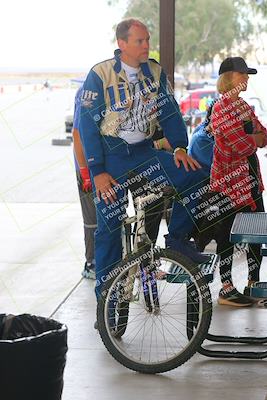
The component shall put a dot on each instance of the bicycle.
(147, 324)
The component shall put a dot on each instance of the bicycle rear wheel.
(161, 337)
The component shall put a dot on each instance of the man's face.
(136, 49)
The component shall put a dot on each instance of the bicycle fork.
(150, 290)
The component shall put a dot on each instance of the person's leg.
(162, 171)
(108, 240)
(153, 217)
(225, 250)
(228, 295)
(254, 257)
(89, 231)
(108, 243)
(153, 210)
(158, 167)
(89, 223)
(206, 220)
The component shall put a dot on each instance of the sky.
(59, 34)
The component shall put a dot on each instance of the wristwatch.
(179, 148)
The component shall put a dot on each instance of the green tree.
(260, 6)
(203, 28)
(257, 10)
(148, 12)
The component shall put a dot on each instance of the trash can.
(32, 357)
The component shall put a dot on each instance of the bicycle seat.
(142, 186)
(166, 191)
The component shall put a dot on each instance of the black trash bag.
(32, 357)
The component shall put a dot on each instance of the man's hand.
(86, 180)
(188, 162)
(103, 185)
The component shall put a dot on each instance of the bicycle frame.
(141, 239)
(140, 236)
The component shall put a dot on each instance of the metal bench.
(264, 250)
(249, 228)
(246, 228)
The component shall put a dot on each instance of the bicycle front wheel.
(162, 335)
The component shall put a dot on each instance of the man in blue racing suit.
(123, 100)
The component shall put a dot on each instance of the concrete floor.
(41, 259)
(40, 266)
(91, 373)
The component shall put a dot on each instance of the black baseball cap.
(236, 64)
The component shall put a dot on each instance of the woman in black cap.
(235, 172)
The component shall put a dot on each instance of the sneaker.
(89, 271)
(187, 248)
(231, 297)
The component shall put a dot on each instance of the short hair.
(225, 82)
(122, 30)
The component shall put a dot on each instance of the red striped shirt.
(230, 169)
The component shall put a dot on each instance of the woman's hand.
(259, 139)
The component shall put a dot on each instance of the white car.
(69, 119)
(70, 110)
(257, 104)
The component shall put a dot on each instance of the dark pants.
(89, 221)
(153, 217)
(216, 225)
(159, 167)
(225, 248)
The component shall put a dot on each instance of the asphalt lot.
(32, 169)
(41, 235)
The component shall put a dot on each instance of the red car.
(197, 100)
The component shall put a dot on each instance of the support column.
(167, 37)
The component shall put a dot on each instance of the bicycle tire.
(123, 314)
(119, 314)
(121, 347)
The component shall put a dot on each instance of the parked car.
(69, 119)
(70, 110)
(197, 100)
(195, 85)
(258, 106)
(179, 79)
(66, 139)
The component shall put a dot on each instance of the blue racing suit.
(106, 106)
